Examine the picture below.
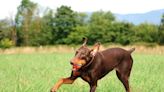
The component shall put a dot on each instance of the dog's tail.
(131, 50)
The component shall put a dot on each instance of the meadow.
(38, 72)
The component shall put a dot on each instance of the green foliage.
(24, 19)
(45, 35)
(99, 26)
(25, 12)
(146, 32)
(4, 29)
(161, 31)
(65, 26)
(6, 43)
(76, 36)
(122, 33)
(41, 30)
(7, 32)
(64, 23)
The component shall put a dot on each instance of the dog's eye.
(83, 56)
(76, 52)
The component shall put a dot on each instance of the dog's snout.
(71, 62)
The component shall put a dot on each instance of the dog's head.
(84, 55)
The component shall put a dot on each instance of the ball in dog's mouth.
(76, 67)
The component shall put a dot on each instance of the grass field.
(37, 72)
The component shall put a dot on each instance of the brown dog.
(92, 65)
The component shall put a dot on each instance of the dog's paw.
(52, 90)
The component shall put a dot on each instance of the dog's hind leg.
(123, 73)
(124, 80)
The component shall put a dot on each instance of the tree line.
(33, 26)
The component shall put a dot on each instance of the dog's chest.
(86, 76)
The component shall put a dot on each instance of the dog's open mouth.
(76, 67)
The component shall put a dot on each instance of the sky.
(8, 8)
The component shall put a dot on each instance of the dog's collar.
(89, 62)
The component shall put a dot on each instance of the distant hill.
(152, 17)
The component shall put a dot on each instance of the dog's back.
(115, 58)
(113, 55)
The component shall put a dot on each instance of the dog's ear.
(84, 41)
(95, 49)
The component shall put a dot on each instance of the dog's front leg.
(68, 80)
(93, 87)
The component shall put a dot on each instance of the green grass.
(39, 72)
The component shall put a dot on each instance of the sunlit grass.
(38, 72)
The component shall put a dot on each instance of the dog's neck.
(95, 59)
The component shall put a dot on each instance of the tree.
(5, 29)
(99, 26)
(13, 30)
(64, 23)
(23, 20)
(146, 32)
(161, 31)
(81, 30)
(45, 36)
(122, 33)
(6, 34)
(76, 36)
